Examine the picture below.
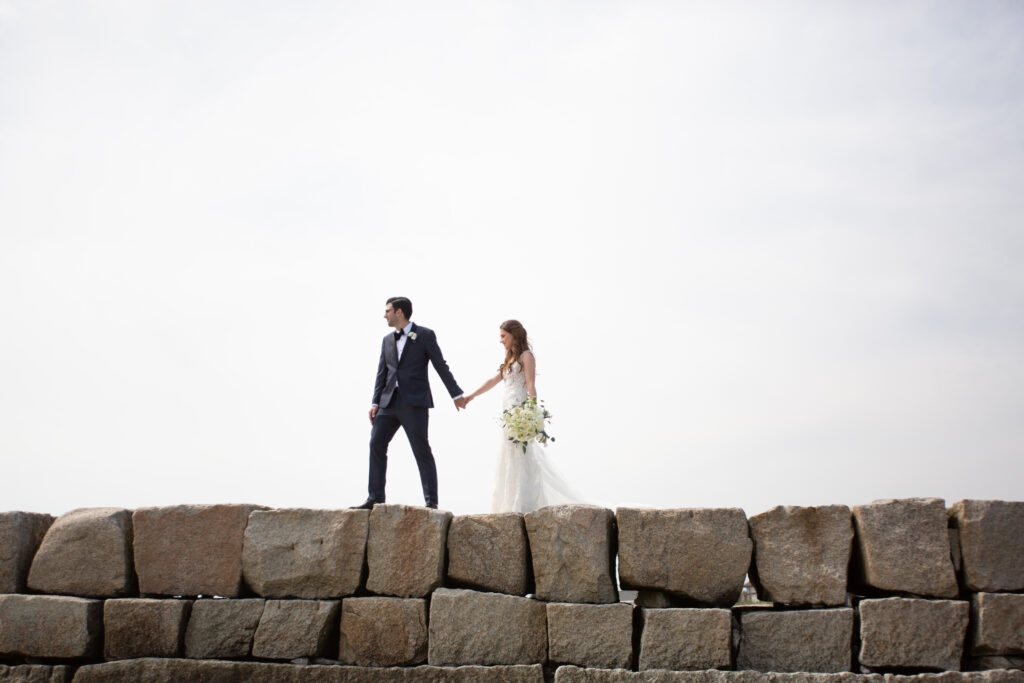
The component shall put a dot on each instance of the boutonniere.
(412, 336)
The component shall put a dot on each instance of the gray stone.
(50, 626)
(20, 536)
(299, 553)
(599, 636)
(383, 631)
(490, 553)
(573, 674)
(806, 640)
(35, 673)
(405, 551)
(655, 599)
(801, 554)
(997, 624)
(903, 547)
(686, 639)
(190, 549)
(467, 627)
(144, 627)
(291, 629)
(86, 552)
(991, 544)
(700, 555)
(912, 633)
(573, 551)
(222, 629)
(996, 662)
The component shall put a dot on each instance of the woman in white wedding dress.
(525, 479)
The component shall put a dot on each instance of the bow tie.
(398, 335)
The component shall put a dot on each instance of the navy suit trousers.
(414, 420)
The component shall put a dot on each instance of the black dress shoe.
(368, 505)
(432, 506)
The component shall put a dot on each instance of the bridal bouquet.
(524, 422)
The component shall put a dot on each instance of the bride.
(525, 479)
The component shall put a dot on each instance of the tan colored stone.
(405, 551)
(816, 640)
(686, 639)
(598, 636)
(222, 629)
(997, 624)
(144, 627)
(35, 673)
(700, 555)
(912, 633)
(291, 629)
(20, 536)
(383, 631)
(468, 627)
(490, 553)
(573, 553)
(991, 544)
(50, 626)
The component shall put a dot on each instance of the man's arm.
(441, 367)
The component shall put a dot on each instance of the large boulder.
(801, 554)
(297, 553)
(467, 627)
(20, 536)
(598, 636)
(991, 544)
(490, 553)
(50, 626)
(291, 629)
(997, 624)
(144, 627)
(36, 673)
(912, 633)
(190, 550)
(87, 552)
(573, 551)
(222, 629)
(405, 551)
(383, 631)
(903, 547)
(700, 555)
(686, 639)
(806, 640)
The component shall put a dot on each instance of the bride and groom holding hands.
(525, 480)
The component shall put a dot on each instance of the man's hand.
(373, 413)
(460, 403)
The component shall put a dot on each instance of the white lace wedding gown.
(526, 480)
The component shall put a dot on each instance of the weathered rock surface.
(647, 598)
(996, 662)
(144, 627)
(903, 547)
(801, 554)
(573, 552)
(50, 626)
(35, 673)
(291, 629)
(997, 624)
(912, 633)
(298, 553)
(805, 640)
(222, 629)
(573, 674)
(467, 627)
(701, 555)
(189, 550)
(405, 551)
(686, 639)
(20, 536)
(490, 553)
(383, 631)
(991, 544)
(86, 552)
(599, 636)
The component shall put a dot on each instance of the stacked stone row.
(874, 588)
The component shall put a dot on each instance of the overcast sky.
(768, 253)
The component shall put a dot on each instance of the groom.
(401, 398)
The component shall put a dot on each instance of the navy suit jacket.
(410, 372)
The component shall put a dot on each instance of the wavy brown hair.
(520, 343)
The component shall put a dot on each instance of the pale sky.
(768, 253)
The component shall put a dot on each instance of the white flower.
(412, 336)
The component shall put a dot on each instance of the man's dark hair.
(400, 303)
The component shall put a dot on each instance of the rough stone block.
(573, 551)
(599, 636)
(86, 552)
(912, 633)
(222, 629)
(801, 554)
(35, 673)
(686, 639)
(991, 544)
(806, 640)
(903, 547)
(50, 626)
(190, 549)
(467, 627)
(490, 553)
(383, 631)
(20, 536)
(997, 624)
(291, 629)
(144, 627)
(298, 553)
(700, 555)
(406, 550)
(996, 662)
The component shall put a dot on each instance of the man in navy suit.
(401, 398)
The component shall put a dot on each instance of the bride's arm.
(485, 387)
(530, 371)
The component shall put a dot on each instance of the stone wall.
(881, 591)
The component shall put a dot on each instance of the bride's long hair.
(520, 343)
